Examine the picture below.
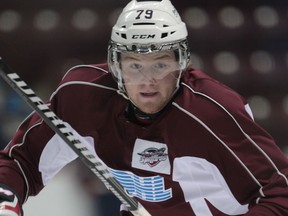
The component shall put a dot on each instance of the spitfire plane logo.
(153, 156)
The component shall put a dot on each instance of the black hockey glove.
(9, 205)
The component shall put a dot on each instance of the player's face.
(149, 79)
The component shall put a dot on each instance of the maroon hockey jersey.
(204, 155)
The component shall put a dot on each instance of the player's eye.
(136, 66)
(160, 66)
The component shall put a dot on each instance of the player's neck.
(137, 116)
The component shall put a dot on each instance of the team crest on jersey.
(151, 156)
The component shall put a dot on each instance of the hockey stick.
(58, 126)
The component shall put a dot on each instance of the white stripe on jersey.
(226, 146)
(201, 180)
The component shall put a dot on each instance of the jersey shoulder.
(86, 78)
(209, 96)
(200, 83)
(85, 73)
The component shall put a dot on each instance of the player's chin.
(151, 108)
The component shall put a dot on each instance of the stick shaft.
(58, 126)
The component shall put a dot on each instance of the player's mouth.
(148, 94)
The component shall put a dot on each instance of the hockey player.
(188, 143)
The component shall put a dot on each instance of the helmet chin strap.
(140, 115)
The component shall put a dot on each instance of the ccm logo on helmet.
(144, 36)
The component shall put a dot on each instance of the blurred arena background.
(242, 43)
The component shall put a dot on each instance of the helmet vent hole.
(148, 0)
(143, 24)
(164, 35)
(124, 36)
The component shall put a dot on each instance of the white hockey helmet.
(147, 26)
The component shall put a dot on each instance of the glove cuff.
(9, 204)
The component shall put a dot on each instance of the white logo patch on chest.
(151, 156)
